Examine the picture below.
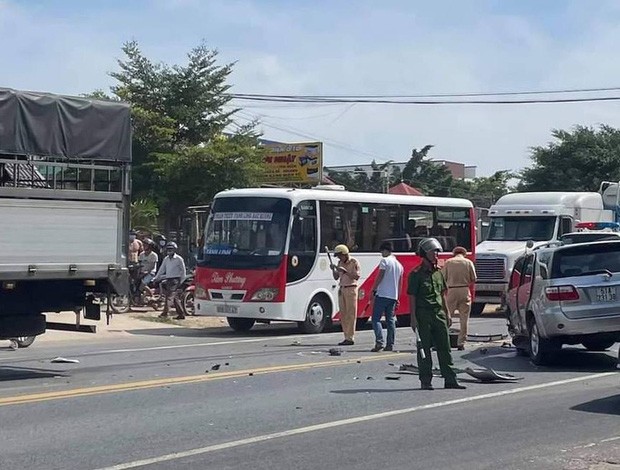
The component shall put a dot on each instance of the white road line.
(344, 422)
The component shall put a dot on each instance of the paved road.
(279, 401)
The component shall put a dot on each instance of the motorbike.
(137, 297)
(187, 298)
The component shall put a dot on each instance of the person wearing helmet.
(148, 266)
(171, 273)
(426, 289)
(347, 273)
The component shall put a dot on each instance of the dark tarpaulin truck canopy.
(48, 125)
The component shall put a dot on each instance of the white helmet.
(428, 244)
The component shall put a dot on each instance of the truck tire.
(240, 324)
(119, 303)
(477, 309)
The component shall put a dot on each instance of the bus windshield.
(244, 232)
(521, 228)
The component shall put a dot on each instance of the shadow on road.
(23, 373)
(568, 360)
(608, 406)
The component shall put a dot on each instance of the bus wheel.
(477, 309)
(403, 320)
(240, 324)
(317, 316)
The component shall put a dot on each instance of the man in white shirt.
(386, 291)
(172, 274)
(148, 266)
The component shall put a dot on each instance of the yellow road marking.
(140, 385)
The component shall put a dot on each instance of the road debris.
(251, 374)
(296, 343)
(392, 377)
(298, 408)
(484, 351)
(216, 367)
(335, 352)
(490, 376)
(507, 345)
(370, 378)
(64, 360)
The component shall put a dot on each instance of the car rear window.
(580, 260)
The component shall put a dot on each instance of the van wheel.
(598, 344)
(240, 324)
(317, 316)
(541, 349)
(477, 309)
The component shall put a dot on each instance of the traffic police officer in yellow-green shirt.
(426, 288)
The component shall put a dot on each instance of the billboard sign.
(293, 163)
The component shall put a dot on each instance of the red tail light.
(562, 293)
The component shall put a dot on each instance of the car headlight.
(266, 294)
(201, 293)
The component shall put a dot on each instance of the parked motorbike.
(187, 298)
(137, 297)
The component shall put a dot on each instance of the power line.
(438, 95)
(318, 100)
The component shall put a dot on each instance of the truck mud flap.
(14, 326)
(72, 327)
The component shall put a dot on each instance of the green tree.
(429, 177)
(179, 113)
(577, 160)
(359, 180)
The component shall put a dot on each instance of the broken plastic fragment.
(64, 360)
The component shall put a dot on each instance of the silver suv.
(566, 294)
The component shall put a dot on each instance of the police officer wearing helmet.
(426, 288)
(347, 272)
(172, 273)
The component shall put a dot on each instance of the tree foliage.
(429, 177)
(179, 113)
(577, 160)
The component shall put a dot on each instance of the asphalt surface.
(273, 399)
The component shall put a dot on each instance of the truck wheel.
(598, 344)
(541, 349)
(477, 309)
(25, 341)
(240, 324)
(317, 316)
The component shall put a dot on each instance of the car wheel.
(241, 324)
(598, 344)
(317, 316)
(540, 348)
(477, 309)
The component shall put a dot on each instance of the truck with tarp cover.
(65, 188)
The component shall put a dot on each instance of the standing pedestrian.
(172, 273)
(135, 247)
(347, 272)
(460, 275)
(386, 290)
(426, 289)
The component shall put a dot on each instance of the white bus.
(264, 258)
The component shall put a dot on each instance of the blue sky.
(354, 47)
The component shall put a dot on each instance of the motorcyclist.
(171, 273)
(148, 266)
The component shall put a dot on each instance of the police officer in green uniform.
(426, 288)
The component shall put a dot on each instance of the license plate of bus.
(606, 294)
(231, 309)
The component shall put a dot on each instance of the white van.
(517, 218)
